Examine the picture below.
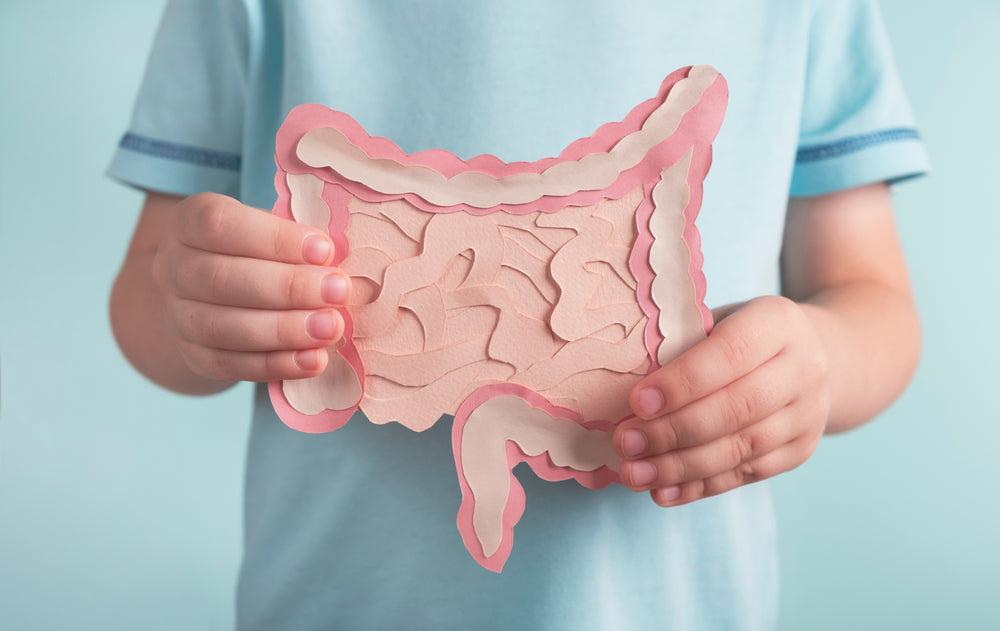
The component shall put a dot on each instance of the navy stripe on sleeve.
(854, 143)
(181, 153)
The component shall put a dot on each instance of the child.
(355, 529)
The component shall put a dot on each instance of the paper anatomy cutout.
(526, 299)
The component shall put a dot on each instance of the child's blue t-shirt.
(356, 529)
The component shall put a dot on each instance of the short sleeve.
(857, 126)
(185, 135)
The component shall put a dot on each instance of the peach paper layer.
(525, 299)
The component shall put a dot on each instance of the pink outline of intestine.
(696, 131)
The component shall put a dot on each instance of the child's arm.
(212, 292)
(753, 399)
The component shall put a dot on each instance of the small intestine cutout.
(523, 299)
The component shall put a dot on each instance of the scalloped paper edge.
(696, 130)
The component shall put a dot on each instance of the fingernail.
(307, 359)
(335, 289)
(642, 473)
(633, 443)
(316, 249)
(667, 495)
(649, 402)
(321, 325)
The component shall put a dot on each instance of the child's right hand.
(244, 295)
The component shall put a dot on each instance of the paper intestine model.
(526, 299)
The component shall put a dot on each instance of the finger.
(777, 462)
(716, 457)
(723, 312)
(742, 403)
(244, 282)
(216, 223)
(255, 330)
(223, 365)
(737, 345)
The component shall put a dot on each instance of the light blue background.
(120, 503)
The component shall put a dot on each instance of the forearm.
(843, 263)
(871, 334)
(146, 336)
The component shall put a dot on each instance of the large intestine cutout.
(525, 299)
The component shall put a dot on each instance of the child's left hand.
(747, 403)
(753, 399)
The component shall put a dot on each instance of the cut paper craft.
(525, 299)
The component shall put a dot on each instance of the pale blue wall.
(119, 504)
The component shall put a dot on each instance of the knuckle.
(206, 218)
(667, 435)
(162, 272)
(276, 365)
(741, 475)
(746, 473)
(219, 279)
(279, 239)
(220, 365)
(735, 349)
(300, 288)
(289, 331)
(818, 363)
(179, 314)
(739, 411)
(188, 326)
(785, 307)
(203, 361)
(682, 385)
(671, 470)
(240, 366)
(742, 448)
(291, 287)
(211, 329)
(192, 356)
